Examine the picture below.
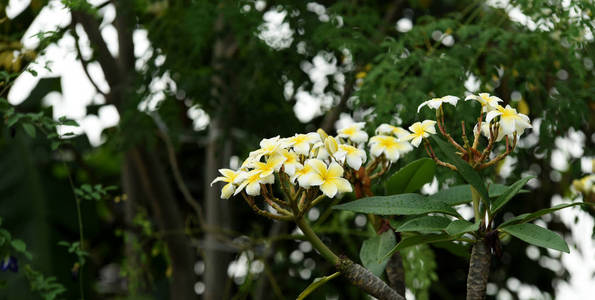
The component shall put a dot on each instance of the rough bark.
(479, 270)
(365, 280)
(395, 273)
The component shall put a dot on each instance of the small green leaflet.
(461, 194)
(528, 217)
(537, 236)
(461, 226)
(29, 129)
(373, 250)
(468, 173)
(509, 193)
(425, 224)
(316, 284)
(403, 204)
(417, 240)
(411, 177)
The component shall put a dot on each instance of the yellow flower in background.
(329, 180)
(250, 181)
(420, 131)
(389, 146)
(301, 142)
(488, 103)
(354, 157)
(229, 176)
(510, 120)
(435, 103)
(354, 133)
(386, 129)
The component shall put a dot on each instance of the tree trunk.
(479, 270)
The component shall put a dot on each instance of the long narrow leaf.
(509, 193)
(316, 284)
(403, 204)
(537, 236)
(528, 217)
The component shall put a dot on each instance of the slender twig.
(80, 224)
(173, 162)
(430, 152)
(264, 213)
(84, 62)
(501, 156)
(441, 128)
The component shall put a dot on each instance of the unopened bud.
(331, 145)
(322, 134)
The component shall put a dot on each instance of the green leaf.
(411, 177)
(461, 226)
(454, 248)
(373, 250)
(537, 236)
(29, 129)
(18, 245)
(403, 204)
(509, 193)
(528, 217)
(417, 240)
(425, 224)
(468, 173)
(461, 194)
(316, 284)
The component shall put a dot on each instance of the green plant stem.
(316, 242)
(476, 200)
(80, 223)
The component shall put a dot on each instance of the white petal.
(416, 141)
(227, 191)
(360, 137)
(376, 150)
(392, 154)
(253, 189)
(329, 189)
(310, 179)
(435, 103)
(343, 186)
(451, 99)
(507, 126)
(354, 161)
(491, 115)
(422, 105)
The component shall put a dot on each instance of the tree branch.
(84, 62)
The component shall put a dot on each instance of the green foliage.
(461, 194)
(374, 249)
(403, 204)
(419, 240)
(93, 192)
(76, 249)
(319, 281)
(514, 189)
(411, 177)
(537, 236)
(528, 217)
(461, 226)
(425, 224)
(420, 270)
(47, 287)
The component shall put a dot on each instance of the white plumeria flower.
(435, 103)
(229, 176)
(485, 131)
(291, 163)
(386, 129)
(354, 157)
(273, 164)
(389, 146)
(330, 181)
(300, 173)
(420, 131)
(269, 146)
(510, 120)
(488, 103)
(331, 145)
(250, 181)
(354, 133)
(301, 142)
(319, 151)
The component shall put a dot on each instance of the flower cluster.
(316, 160)
(499, 123)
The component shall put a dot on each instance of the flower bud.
(331, 145)
(322, 134)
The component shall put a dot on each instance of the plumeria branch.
(430, 152)
(501, 156)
